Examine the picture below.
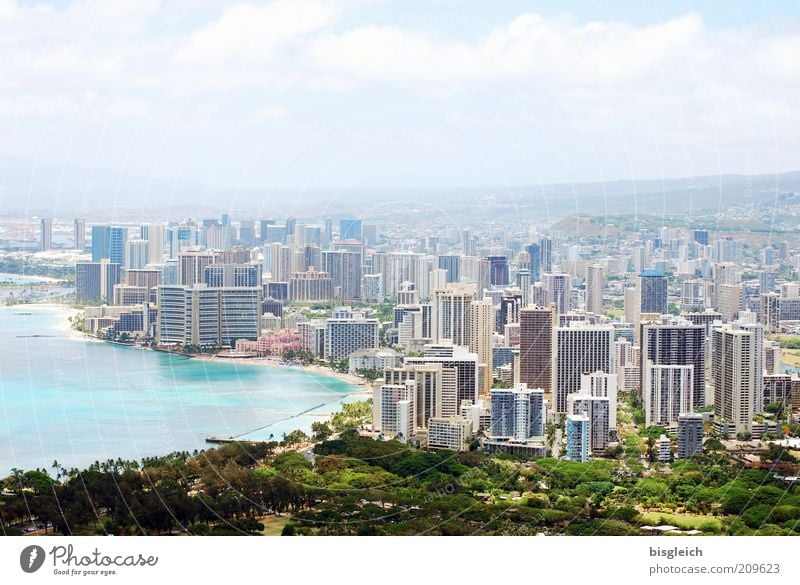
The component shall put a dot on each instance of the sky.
(374, 93)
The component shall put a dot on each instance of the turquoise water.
(78, 401)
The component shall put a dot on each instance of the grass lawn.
(791, 357)
(685, 521)
(273, 525)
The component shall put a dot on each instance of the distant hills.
(33, 189)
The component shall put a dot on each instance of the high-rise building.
(350, 229)
(536, 344)
(451, 433)
(598, 410)
(653, 292)
(535, 253)
(667, 392)
(518, 413)
(100, 235)
(498, 270)
(344, 268)
(94, 281)
(777, 389)
(463, 363)
(510, 306)
(733, 373)
(435, 389)
(191, 266)
(577, 437)
(481, 329)
(398, 413)
(581, 348)
(730, 298)
(676, 342)
(247, 233)
(117, 236)
(546, 254)
(136, 254)
(557, 287)
(690, 435)
(154, 233)
(701, 237)
(451, 313)
(371, 288)
(523, 282)
(602, 385)
(208, 316)
(769, 311)
(310, 286)
(46, 234)
(452, 264)
(595, 281)
(79, 234)
(758, 362)
(226, 275)
(344, 336)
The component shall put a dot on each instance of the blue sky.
(360, 93)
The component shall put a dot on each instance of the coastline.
(274, 362)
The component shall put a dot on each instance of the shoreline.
(274, 362)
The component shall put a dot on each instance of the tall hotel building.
(595, 281)
(451, 313)
(481, 328)
(733, 373)
(310, 286)
(653, 292)
(46, 229)
(79, 234)
(537, 336)
(344, 336)
(191, 266)
(580, 349)
(676, 342)
(208, 316)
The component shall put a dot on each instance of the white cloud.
(254, 33)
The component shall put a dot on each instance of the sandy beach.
(275, 362)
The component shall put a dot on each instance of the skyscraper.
(79, 234)
(577, 437)
(154, 233)
(350, 229)
(465, 367)
(452, 264)
(595, 281)
(677, 342)
(667, 392)
(653, 292)
(481, 328)
(451, 313)
(733, 373)
(524, 284)
(518, 413)
(46, 235)
(546, 255)
(498, 270)
(191, 266)
(536, 336)
(535, 252)
(557, 288)
(94, 281)
(580, 349)
(690, 435)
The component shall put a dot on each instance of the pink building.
(273, 342)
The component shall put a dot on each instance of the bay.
(78, 400)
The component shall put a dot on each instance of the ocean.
(78, 400)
